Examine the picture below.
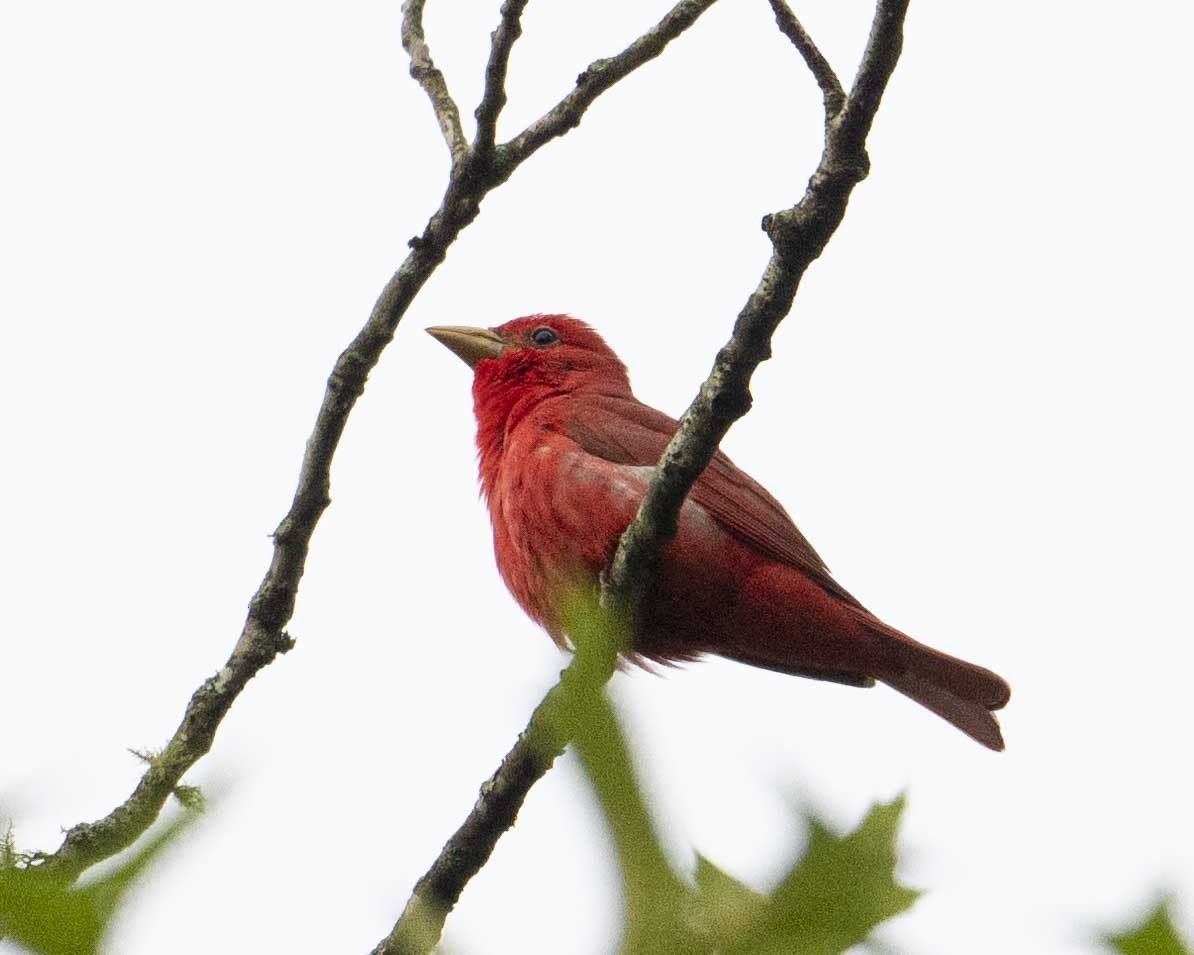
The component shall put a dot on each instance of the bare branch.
(494, 96)
(263, 636)
(878, 62)
(599, 76)
(432, 80)
(831, 87)
(418, 929)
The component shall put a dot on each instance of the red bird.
(566, 452)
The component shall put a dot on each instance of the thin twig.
(798, 235)
(879, 60)
(599, 76)
(418, 929)
(494, 97)
(432, 80)
(831, 87)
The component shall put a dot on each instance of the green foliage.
(50, 917)
(835, 894)
(721, 908)
(831, 899)
(654, 896)
(1154, 936)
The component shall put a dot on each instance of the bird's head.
(532, 356)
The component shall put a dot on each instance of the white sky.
(978, 412)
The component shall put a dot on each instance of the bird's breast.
(555, 511)
(558, 513)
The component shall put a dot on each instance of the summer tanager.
(566, 452)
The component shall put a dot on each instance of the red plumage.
(566, 452)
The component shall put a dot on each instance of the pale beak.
(470, 345)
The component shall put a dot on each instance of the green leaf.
(43, 916)
(1156, 935)
(653, 894)
(840, 889)
(722, 909)
(48, 916)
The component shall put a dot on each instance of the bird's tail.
(962, 693)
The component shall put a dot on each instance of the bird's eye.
(543, 336)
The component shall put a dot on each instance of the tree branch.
(798, 236)
(599, 76)
(263, 636)
(831, 87)
(494, 97)
(432, 80)
(879, 60)
(418, 929)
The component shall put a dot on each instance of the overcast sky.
(978, 411)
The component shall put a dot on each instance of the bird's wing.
(626, 431)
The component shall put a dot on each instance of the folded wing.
(625, 431)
